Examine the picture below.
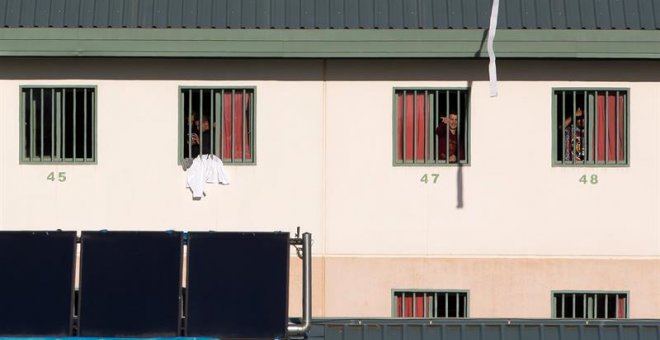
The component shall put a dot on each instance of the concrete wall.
(324, 162)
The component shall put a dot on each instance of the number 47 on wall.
(425, 178)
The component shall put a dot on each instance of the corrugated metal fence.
(483, 329)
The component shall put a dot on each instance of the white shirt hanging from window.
(205, 169)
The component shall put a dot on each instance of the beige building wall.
(324, 163)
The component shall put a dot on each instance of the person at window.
(447, 132)
(574, 136)
(201, 138)
(190, 127)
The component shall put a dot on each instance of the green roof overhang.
(323, 43)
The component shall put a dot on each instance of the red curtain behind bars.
(235, 113)
(414, 114)
(610, 116)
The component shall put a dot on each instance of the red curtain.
(235, 113)
(609, 117)
(621, 313)
(414, 114)
(408, 312)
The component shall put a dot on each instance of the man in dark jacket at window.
(456, 148)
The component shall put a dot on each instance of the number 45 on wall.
(61, 176)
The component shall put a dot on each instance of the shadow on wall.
(338, 69)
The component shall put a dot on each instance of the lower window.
(590, 305)
(429, 304)
(591, 127)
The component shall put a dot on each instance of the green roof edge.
(326, 43)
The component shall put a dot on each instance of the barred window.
(58, 125)
(217, 121)
(431, 126)
(590, 305)
(429, 304)
(591, 127)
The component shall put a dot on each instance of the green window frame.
(430, 303)
(57, 125)
(431, 126)
(231, 116)
(600, 135)
(583, 304)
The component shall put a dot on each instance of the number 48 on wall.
(593, 179)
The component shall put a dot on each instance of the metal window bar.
(212, 122)
(233, 125)
(596, 160)
(85, 125)
(446, 146)
(52, 124)
(64, 110)
(201, 122)
(75, 104)
(607, 126)
(222, 125)
(244, 99)
(189, 134)
(403, 123)
(458, 132)
(41, 125)
(415, 132)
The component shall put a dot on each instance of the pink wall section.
(498, 287)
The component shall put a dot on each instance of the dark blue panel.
(602, 13)
(469, 13)
(426, 14)
(308, 14)
(234, 13)
(248, 13)
(42, 13)
(456, 13)
(27, 12)
(115, 13)
(237, 285)
(277, 14)
(130, 284)
(351, 9)
(292, 13)
(204, 13)
(146, 14)
(219, 18)
(513, 14)
(648, 14)
(616, 14)
(262, 14)
(189, 14)
(543, 14)
(366, 13)
(3, 12)
(86, 17)
(558, 14)
(322, 15)
(131, 10)
(36, 289)
(587, 14)
(160, 13)
(441, 14)
(573, 19)
(337, 14)
(410, 11)
(72, 14)
(57, 10)
(382, 13)
(174, 13)
(396, 14)
(632, 14)
(101, 9)
(483, 14)
(528, 9)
